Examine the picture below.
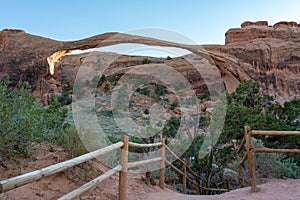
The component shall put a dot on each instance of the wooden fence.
(186, 178)
(247, 140)
(122, 169)
(15, 182)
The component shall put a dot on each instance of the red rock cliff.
(267, 54)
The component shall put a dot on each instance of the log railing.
(186, 178)
(249, 155)
(122, 169)
(15, 182)
(9, 184)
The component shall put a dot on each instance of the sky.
(203, 21)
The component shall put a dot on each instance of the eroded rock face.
(121, 64)
(254, 30)
(258, 23)
(285, 24)
(269, 55)
(272, 62)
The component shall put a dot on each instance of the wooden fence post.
(197, 186)
(123, 173)
(162, 165)
(184, 177)
(250, 156)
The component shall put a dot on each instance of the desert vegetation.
(24, 120)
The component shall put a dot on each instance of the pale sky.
(203, 21)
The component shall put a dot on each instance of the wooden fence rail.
(89, 185)
(9, 184)
(122, 169)
(249, 155)
(132, 144)
(185, 178)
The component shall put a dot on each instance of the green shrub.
(204, 96)
(168, 58)
(131, 103)
(172, 125)
(106, 113)
(166, 100)
(113, 138)
(80, 89)
(174, 105)
(146, 112)
(113, 80)
(156, 97)
(160, 89)
(106, 89)
(274, 165)
(23, 120)
(72, 142)
(87, 82)
(146, 61)
(102, 79)
(144, 91)
(65, 98)
(288, 168)
(159, 124)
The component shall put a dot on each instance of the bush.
(146, 61)
(106, 89)
(166, 100)
(144, 91)
(274, 165)
(72, 142)
(80, 89)
(174, 105)
(160, 90)
(102, 79)
(159, 124)
(288, 168)
(23, 120)
(106, 113)
(156, 97)
(172, 125)
(65, 98)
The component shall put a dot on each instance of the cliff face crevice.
(54, 58)
(267, 54)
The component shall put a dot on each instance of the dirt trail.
(57, 185)
(271, 190)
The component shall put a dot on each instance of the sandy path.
(271, 190)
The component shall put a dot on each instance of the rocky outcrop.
(285, 24)
(258, 23)
(272, 62)
(26, 57)
(70, 64)
(269, 55)
(288, 31)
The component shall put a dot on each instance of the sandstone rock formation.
(258, 23)
(285, 24)
(253, 30)
(267, 54)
